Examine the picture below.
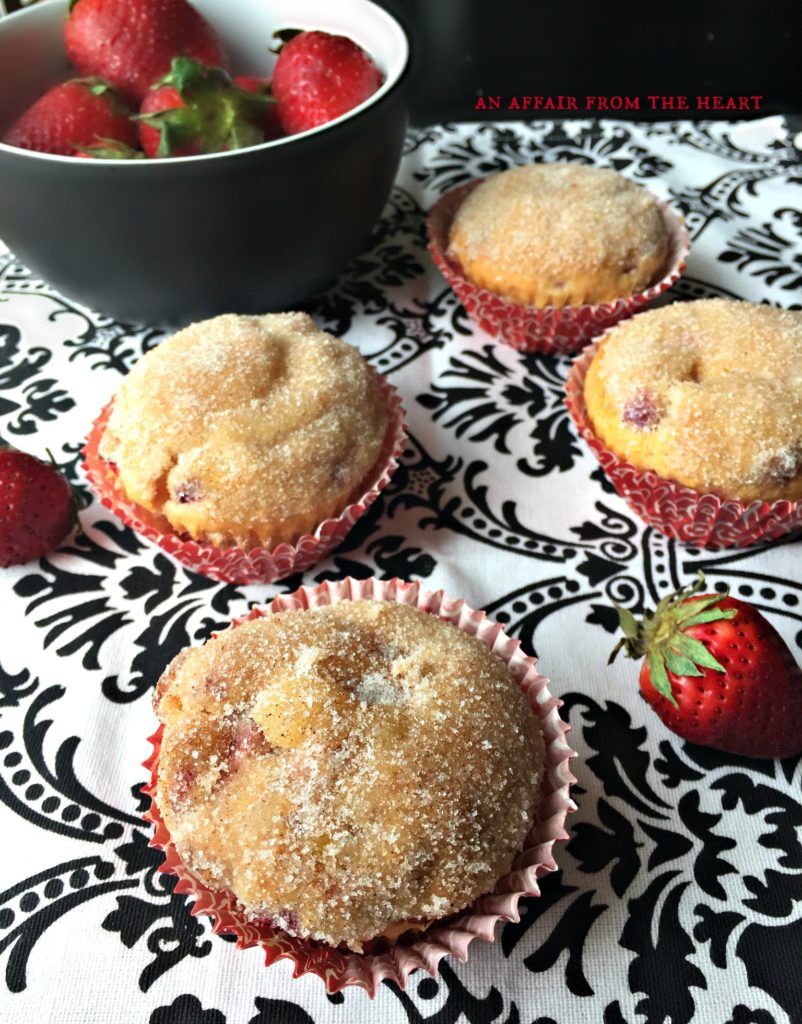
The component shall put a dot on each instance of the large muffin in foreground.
(246, 431)
(347, 771)
(560, 234)
(707, 394)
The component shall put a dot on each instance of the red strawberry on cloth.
(196, 109)
(131, 43)
(73, 116)
(717, 673)
(319, 76)
(271, 125)
(37, 507)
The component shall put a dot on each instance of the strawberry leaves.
(680, 664)
(663, 639)
(660, 679)
(697, 652)
(110, 149)
(198, 109)
(189, 77)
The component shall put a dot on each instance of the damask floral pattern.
(679, 894)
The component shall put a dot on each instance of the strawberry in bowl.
(72, 117)
(320, 76)
(253, 222)
(131, 43)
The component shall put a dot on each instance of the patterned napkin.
(680, 892)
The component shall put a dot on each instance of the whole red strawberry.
(319, 76)
(73, 116)
(132, 42)
(718, 673)
(37, 507)
(196, 109)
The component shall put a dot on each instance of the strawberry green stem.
(217, 114)
(662, 636)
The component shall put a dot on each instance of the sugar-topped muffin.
(561, 234)
(246, 430)
(347, 770)
(706, 393)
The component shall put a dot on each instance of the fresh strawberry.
(131, 43)
(271, 125)
(37, 507)
(195, 109)
(718, 673)
(319, 76)
(73, 116)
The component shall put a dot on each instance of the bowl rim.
(390, 83)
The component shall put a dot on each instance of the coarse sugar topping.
(346, 769)
(246, 430)
(560, 234)
(707, 393)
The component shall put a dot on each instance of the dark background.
(514, 47)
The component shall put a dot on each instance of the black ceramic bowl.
(173, 240)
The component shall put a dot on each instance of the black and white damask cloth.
(679, 894)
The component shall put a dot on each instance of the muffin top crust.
(246, 430)
(706, 393)
(560, 234)
(347, 770)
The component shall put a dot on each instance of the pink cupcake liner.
(259, 565)
(704, 520)
(451, 937)
(550, 329)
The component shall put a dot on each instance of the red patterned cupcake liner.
(340, 968)
(704, 520)
(259, 565)
(555, 330)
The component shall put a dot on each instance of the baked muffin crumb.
(560, 234)
(246, 430)
(347, 770)
(706, 393)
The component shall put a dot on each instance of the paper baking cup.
(341, 968)
(704, 520)
(556, 330)
(259, 565)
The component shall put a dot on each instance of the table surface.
(679, 894)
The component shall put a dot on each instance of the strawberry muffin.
(560, 234)
(246, 430)
(348, 772)
(707, 394)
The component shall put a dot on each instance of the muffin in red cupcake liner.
(340, 968)
(704, 520)
(232, 564)
(553, 330)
